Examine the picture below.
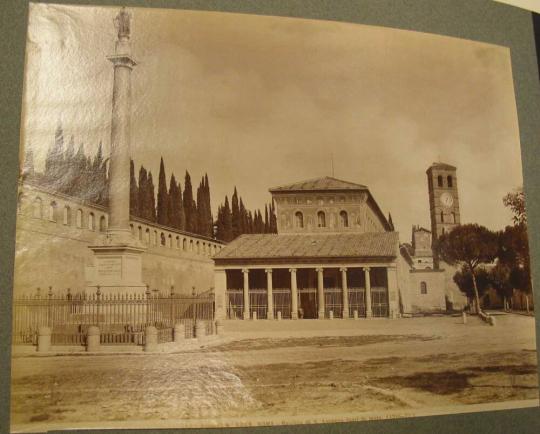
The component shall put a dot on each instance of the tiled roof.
(273, 246)
(320, 184)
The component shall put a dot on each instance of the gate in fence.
(121, 318)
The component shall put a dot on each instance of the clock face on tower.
(447, 199)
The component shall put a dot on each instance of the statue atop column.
(122, 23)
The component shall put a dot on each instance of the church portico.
(305, 291)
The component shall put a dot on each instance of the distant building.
(335, 255)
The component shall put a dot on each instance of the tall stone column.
(220, 293)
(246, 312)
(369, 313)
(320, 292)
(270, 302)
(393, 291)
(118, 261)
(345, 292)
(119, 161)
(294, 294)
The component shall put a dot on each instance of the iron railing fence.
(258, 303)
(121, 318)
(379, 301)
(333, 302)
(282, 302)
(357, 302)
(235, 303)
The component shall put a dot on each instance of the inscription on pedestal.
(111, 267)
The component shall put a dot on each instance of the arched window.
(440, 180)
(52, 211)
(79, 218)
(453, 217)
(147, 236)
(170, 241)
(132, 229)
(91, 222)
(449, 181)
(191, 245)
(423, 288)
(321, 219)
(198, 248)
(442, 217)
(177, 242)
(299, 218)
(103, 225)
(344, 218)
(155, 238)
(140, 233)
(184, 244)
(37, 208)
(67, 215)
(162, 239)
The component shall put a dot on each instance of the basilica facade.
(336, 255)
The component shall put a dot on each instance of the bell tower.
(443, 198)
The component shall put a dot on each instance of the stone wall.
(54, 232)
(433, 298)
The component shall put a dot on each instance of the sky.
(257, 102)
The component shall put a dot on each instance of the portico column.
(294, 294)
(368, 292)
(246, 313)
(320, 291)
(270, 309)
(345, 292)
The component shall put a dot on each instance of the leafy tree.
(516, 202)
(473, 285)
(468, 246)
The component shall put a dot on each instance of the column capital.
(245, 270)
(319, 269)
(292, 270)
(268, 270)
(342, 269)
(366, 269)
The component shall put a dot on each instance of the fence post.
(98, 302)
(49, 307)
(44, 339)
(219, 327)
(147, 308)
(93, 339)
(151, 341)
(179, 333)
(464, 316)
(171, 301)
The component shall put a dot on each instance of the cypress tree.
(236, 217)
(70, 165)
(54, 159)
(162, 197)
(273, 218)
(175, 204)
(143, 186)
(133, 191)
(189, 208)
(266, 222)
(227, 222)
(151, 198)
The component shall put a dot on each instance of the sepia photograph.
(238, 220)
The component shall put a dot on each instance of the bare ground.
(370, 366)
